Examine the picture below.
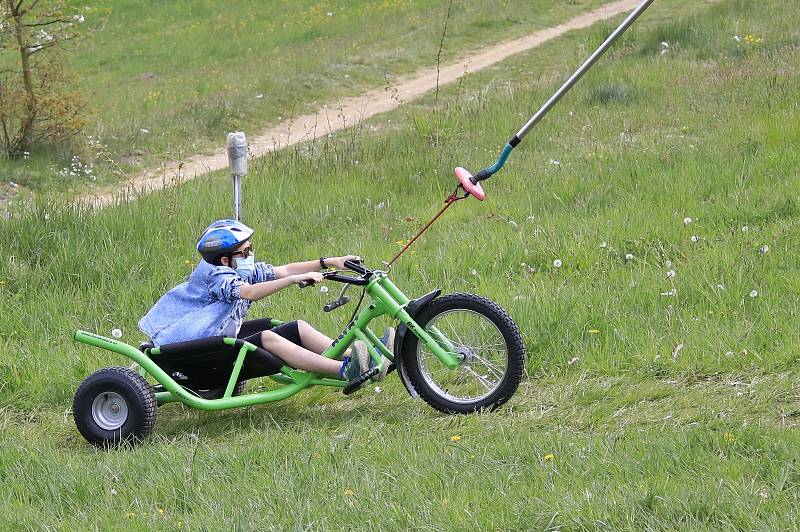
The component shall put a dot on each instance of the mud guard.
(413, 308)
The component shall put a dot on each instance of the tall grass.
(653, 400)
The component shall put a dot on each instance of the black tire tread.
(144, 394)
(510, 331)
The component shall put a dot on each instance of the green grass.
(167, 80)
(642, 434)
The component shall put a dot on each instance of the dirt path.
(351, 111)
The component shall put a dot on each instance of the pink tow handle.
(473, 189)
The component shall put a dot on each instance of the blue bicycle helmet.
(222, 237)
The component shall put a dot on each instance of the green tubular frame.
(387, 299)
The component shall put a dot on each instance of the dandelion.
(753, 293)
(687, 221)
(729, 437)
(323, 289)
(594, 331)
(764, 248)
(113, 492)
(671, 274)
(555, 162)
(752, 39)
(116, 333)
(729, 354)
(160, 511)
(530, 218)
(187, 261)
(549, 456)
(179, 524)
(79, 18)
(629, 256)
(764, 493)
(473, 271)
(745, 229)
(378, 390)
(573, 361)
(695, 238)
(737, 38)
(130, 514)
(455, 437)
(603, 244)
(557, 263)
(348, 493)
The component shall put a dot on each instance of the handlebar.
(352, 265)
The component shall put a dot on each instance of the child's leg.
(313, 339)
(299, 357)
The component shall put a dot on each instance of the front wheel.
(488, 343)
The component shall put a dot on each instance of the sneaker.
(388, 338)
(358, 363)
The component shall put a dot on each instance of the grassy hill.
(166, 80)
(661, 389)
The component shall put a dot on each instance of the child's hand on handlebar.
(315, 277)
(338, 262)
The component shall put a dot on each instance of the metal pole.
(517, 138)
(237, 160)
(583, 68)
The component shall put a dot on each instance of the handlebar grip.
(355, 266)
(304, 283)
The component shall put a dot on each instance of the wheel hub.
(109, 410)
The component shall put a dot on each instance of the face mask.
(245, 265)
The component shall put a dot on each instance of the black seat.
(208, 362)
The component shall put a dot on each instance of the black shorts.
(251, 331)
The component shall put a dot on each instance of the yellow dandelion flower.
(130, 514)
(348, 493)
(179, 524)
(594, 331)
(160, 510)
(455, 437)
(187, 262)
(549, 456)
(729, 437)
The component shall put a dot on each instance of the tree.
(36, 101)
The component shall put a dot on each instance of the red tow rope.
(452, 198)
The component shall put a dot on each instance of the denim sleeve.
(224, 285)
(263, 272)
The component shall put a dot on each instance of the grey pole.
(583, 68)
(237, 160)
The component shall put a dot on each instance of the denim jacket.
(207, 304)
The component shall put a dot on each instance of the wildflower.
(473, 271)
(130, 514)
(113, 492)
(116, 333)
(348, 493)
(573, 360)
(687, 221)
(752, 39)
(745, 229)
(557, 263)
(323, 289)
(764, 248)
(79, 18)
(554, 162)
(179, 524)
(668, 263)
(378, 390)
(455, 437)
(729, 353)
(737, 38)
(530, 218)
(594, 331)
(549, 456)
(187, 261)
(753, 293)
(629, 256)
(671, 274)
(160, 511)
(729, 437)
(695, 238)
(603, 244)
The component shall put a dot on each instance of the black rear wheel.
(488, 344)
(114, 405)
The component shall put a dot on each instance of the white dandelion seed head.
(695, 238)
(473, 271)
(629, 256)
(323, 289)
(116, 333)
(668, 263)
(671, 274)
(764, 248)
(557, 263)
(573, 360)
(745, 229)
(603, 244)
(753, 293)
(729, 353)
(687, 221)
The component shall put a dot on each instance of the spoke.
(481, 379)
(490, 366)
